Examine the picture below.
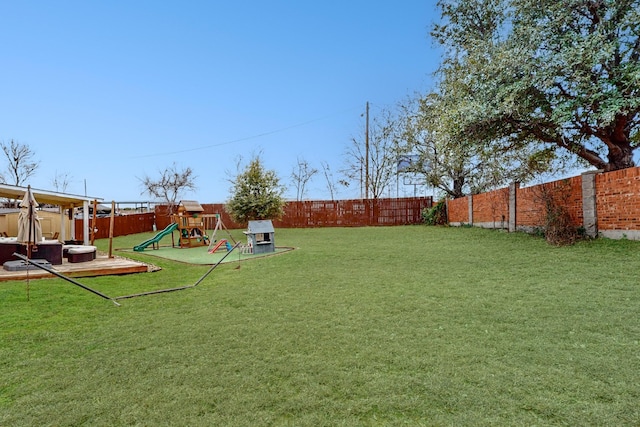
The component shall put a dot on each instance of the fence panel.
(123, 225)
(458, 210)
(306, 214)
(353, 213)
(329, 213)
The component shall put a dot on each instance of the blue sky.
(110, 91)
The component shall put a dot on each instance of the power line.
(205, 147)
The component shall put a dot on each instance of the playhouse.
(190, 222)
(260, 236)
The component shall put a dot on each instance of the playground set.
(192, 224)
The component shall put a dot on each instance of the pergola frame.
(64, 200)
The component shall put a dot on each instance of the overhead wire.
(205, 147)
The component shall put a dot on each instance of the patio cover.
(64, 200)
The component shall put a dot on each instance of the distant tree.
(331, 184)
(300, 177)
(60, 181)
(381, 152)
(172, 183)
(20, 163)
(256, 194)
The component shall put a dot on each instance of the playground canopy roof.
(46, 197)
(191, 206)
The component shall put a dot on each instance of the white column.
(85, 222)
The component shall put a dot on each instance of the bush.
(558, 225)
(435, 215)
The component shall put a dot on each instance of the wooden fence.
(353, 213)
(122, 225)
(337, 213)
(325, 213)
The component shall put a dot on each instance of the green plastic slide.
(155, 239)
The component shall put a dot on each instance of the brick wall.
(531, 201)
(491, 209)
(617, 202)
(458, 211)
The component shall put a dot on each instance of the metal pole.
(366, 144)
(161, 291)
(68, 279)
(215, 265)
(111, 225)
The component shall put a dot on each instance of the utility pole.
(366, 144)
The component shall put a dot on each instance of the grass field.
(363, 326)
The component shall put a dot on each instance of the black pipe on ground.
(62, 276)
(160, 291)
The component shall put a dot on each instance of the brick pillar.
(513, 190)
(470, 199)
(589, 213)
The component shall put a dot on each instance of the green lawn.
(360, 326)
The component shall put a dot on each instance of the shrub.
(435, 215)
(559, 229)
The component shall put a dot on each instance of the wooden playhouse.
(190, 220)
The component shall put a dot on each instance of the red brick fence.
(605, 204)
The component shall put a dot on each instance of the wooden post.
(111, 224)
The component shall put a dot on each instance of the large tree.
(437, 149)
(547, 73)
(256, 194)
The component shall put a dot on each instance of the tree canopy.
(544, 74)
(256, 194)
(440, 152)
